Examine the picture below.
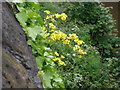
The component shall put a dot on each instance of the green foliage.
(94, 24)
(86, 68)
(101, 36)
(101, 20)
(22, 19)
(77, 72)
(31, 22)
(84, 72)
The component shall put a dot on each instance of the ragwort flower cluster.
(53, 35)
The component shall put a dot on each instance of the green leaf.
(33, 32)
(22, 18)
(18, 1)
(47, 78)
(40, 20)
(58, 79)
(31, 14)
(30, 42)
(46, 54)
(21, 9)
(39, 61)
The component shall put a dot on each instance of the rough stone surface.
(18, 63)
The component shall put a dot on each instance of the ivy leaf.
(31, 14)
(33, 32)
(39, 61)
(40, 20)
(35, 4)
(22, 18)
(47, 77)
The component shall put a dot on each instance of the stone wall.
(18, 64)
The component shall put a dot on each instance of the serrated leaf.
(47, 78)
(33, 32)
(22, 18)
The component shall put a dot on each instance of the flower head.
(61, 63)
(62, 56)
(79, 42)
(46, 35)
(56, 54)
(43, 28)
(51, 25)
(66, 41)
(46, 11)
(63, 16)
(57, 15)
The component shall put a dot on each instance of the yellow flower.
(52, 30)
(85, 52)
(47, 17)
(70, 36)
(57, 15)
(51, 16)
(63, 16)
(46, 11)
(53, 37)
(73, 36)
(66, 41)
(76, 48)
(76, 40)
(43, 28)
(56, 54)
(82, 52)
(63, 35)
(44, 22)
(61, 63)
(62, 56)
(53, 20)
(56, 59)
(58, 36)
(79, 56)
(80, 42)
(46, 35)
(51, 25)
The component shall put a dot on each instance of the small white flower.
(68, 54)
(72, 29)
(74, 54)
